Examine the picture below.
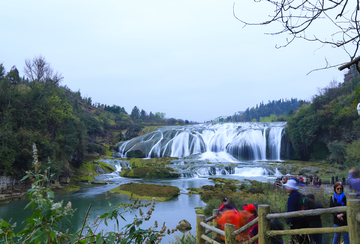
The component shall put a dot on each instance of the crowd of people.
(301, 180)
(229, 214)
(296, 202)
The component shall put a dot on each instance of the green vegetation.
(272, 111)
(67, 128)
(147, 191)
(149, 168)
(87, 171)
(149, 172)
(329, 127)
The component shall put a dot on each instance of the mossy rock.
(136, 154)
(71, 188)
(151, 162)
(86, 178)
(149, 172)
(224, 181)
(148, 191)
(107, 167)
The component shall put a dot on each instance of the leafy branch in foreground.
(46, 223)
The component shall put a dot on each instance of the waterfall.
(257, 141)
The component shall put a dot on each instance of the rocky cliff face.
(11, 188)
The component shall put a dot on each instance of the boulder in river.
(183, 225)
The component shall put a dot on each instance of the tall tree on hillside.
(143, 115)
(38, 69)
(135, 114)
(2, 70)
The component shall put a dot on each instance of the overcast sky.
(190, 59)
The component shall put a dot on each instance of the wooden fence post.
(200, 230)
(264, 224)
(214, 222)
(352, 196)
(353, 209)
(229, 238)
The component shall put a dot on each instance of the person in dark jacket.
(276, 224)
(314, 221)
(353, 180)
(294, 204)
(337, 200)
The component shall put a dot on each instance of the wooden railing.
(264, 217)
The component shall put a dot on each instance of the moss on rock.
(148, 191)
(149, 172)
(149, 168)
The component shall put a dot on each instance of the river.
(170, 212)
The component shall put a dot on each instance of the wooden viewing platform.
(203, 229)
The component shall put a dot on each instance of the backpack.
(305, 203)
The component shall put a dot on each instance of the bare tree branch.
(298, 17)
(40, 70)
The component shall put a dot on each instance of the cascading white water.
(243, 141)
(275, 143)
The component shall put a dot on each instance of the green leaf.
(355, 102)
(51, 194)
(46, 213)
(24, 178)
(36, 237)
(4, 224)
(11, 234)
(100, 240)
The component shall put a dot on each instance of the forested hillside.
(271, 111)
(329, 127)
(66, 127)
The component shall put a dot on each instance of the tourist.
(253, 231)
(339, 199)
(276, 224)
(294, 204)
(314, 221)
(301, 181)
(353, 180)
(226, 205)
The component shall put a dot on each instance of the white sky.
(190, 59)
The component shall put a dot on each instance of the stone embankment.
(11, 189)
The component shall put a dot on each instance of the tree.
(300, 18)
(38, 69)
(143, 115)
(2, 70)
(135, 113)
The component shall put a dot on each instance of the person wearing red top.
(253, 231)
(226, 206)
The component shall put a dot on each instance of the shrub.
(353, 153)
